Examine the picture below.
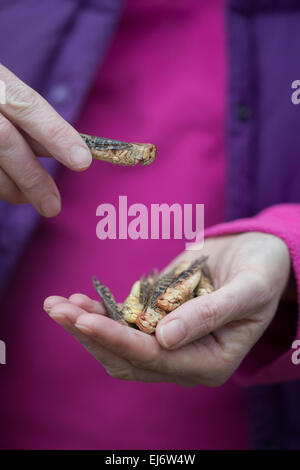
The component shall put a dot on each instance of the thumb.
(202, 315)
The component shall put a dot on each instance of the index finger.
(32, 113)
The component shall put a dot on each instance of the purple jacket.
(57, 50)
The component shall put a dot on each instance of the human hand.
(29, 126)
(204, 340)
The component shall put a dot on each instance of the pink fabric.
(271, 359)
(163, 82)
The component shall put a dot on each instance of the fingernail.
(83, 328)
(55, 315)
(50, 205)
(80, 157)
(47, 309)
(172, 333)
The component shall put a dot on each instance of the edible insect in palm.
(149, 318)
(118, 152)
(132, 306)
(138, 297)
(109, 302)
(205, 285)
(147, 284)
(181, 267)
(181, 289)
(152, 314)
(152, 298)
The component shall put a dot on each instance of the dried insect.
(132, 306)
(118, 152)
(147, 320)
(147, 284)
(138, 297)
(109, 302)
(181, 267)
(181, 289)
(205, 285)
(152, 314)
(152, 298)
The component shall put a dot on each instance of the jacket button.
(244, 113)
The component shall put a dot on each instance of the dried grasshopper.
(152, 298)
(138, 297)
(152, 314)
(109, 302)
(205, 285)
(118, 152)
(182, 288)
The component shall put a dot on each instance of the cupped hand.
(202, 341)
(29, 126)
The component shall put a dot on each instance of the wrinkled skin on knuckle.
(33, 179)
(21, 97)
(230, 302)
(6, 133)
(54, 131)
(207, 314)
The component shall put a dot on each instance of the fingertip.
(80, 158)
(160, 338)
(170, 335)
(62, 313)
(52, 300)
(57, 316)
(50, 205)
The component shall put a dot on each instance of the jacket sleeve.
(274, 357)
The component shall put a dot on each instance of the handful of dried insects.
(153, 297)
(120, 153)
